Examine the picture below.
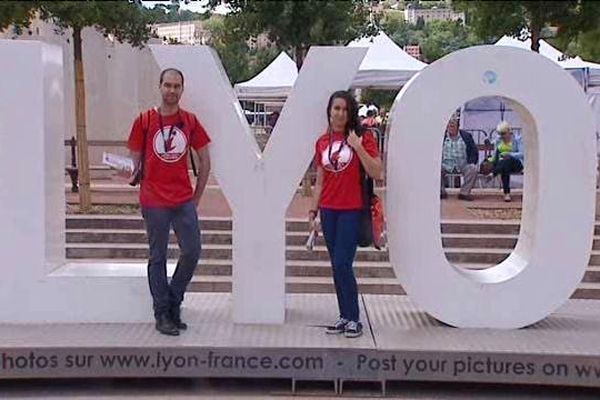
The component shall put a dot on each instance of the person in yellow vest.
(508, 157)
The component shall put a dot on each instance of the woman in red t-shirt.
(339, 154)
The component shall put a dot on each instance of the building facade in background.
(412, 15)
(185, 32)
(414, 51)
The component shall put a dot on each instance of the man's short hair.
(164, 71)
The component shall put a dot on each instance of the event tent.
(386, 65)
(273, 82)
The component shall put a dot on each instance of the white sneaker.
(338, 327)
(353, 329)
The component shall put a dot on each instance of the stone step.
(301, 285)
(301, 268)
(365, 285)
(128, 222)
(224, 251)
(216, 251)
(293, 238)
(114, 222)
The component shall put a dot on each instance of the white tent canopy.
(578, 63)
(275, 81)
(386, 65)
(545, 49)
(557, 56)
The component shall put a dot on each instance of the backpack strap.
(188, 119)
(145, 127)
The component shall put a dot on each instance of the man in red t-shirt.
(159, 143)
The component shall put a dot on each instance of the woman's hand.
(354, 140)
(313, 224)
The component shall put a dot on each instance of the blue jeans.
(184, 220)
(340, 229)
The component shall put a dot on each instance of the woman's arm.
(372, 165)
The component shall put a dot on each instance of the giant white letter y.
(260, 187)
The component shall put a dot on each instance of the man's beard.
(171, 101)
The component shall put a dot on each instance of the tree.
(436, 38)
(586, 45)
(240, 60)
(122, 19)
(527, 19)
(420, 23)
(296, 25)
(444, 37)
(15, 13)
(163, 13)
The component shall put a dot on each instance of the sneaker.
(338, 327)
(353, 329)
(507, 198)
(466, 197)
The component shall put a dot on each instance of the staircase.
(469, 244)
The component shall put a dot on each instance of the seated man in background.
(459, 156)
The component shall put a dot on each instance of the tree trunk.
(307, 181)
(535, 25)
(535, 39)
(85, 197)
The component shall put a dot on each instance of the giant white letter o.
(557, 225)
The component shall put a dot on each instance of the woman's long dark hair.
(352, 110)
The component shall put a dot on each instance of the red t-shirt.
(166, 182)
(342, 189)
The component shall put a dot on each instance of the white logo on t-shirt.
(170, 148)
(341, 156)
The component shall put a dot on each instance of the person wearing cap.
(508, 157)
(459, 156)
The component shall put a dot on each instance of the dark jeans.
(184, 220)
(506, 167)
(340, 229)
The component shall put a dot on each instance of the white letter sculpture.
(260, 187)
(559, 203)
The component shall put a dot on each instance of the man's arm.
(203, 172)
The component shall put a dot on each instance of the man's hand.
(196, 200)
(354, 140)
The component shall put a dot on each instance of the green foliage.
(240, 61)
(436, 38)
(122, 19)
(125, 20)
(383, 98)
(296, 25)
(162, 13)
(16, 13)
(444, 37)
(493, 19)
